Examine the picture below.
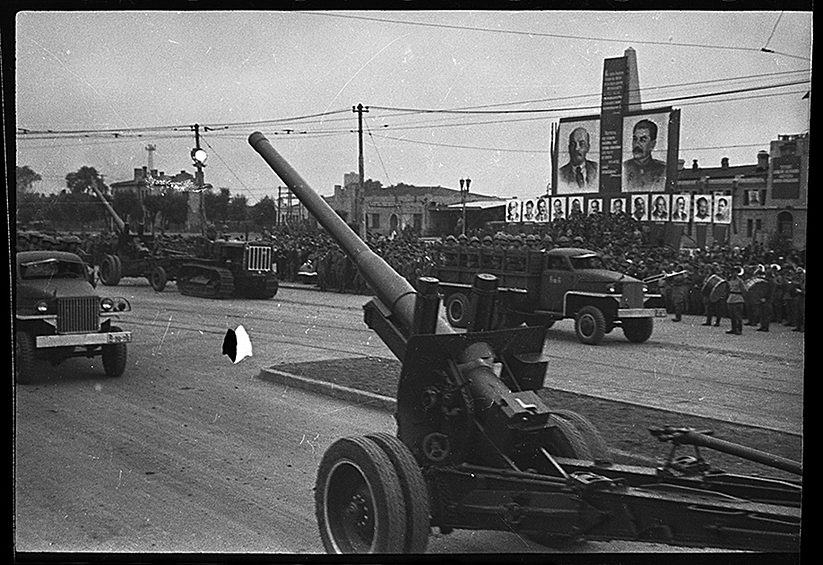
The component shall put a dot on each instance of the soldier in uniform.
(764, 306)
(800, 301)
(711, 307)
(735, 300)
(680, 285)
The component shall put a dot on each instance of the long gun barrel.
(394, 291)
(686, 436)
(121, 225)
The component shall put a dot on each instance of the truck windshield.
(50, 269)
(589, 261)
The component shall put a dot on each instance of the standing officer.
(735, 300)
(679, 282)
(712, 307)
(764, 308)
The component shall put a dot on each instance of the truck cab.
(58, 314)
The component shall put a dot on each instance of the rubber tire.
(594, 441)
(115, 357)
(638, 330)
(461, 302)
(415, 491)
(590, 325)
(24, 358)
(110, 270)
(158, 278)
(348, 466)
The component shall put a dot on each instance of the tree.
(238, 209)
(216, 205)
(264, 212)
(127, 206)
(25, 178)
(84, 179)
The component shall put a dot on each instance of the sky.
(97, 88)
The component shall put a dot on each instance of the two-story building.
(428, 210)
(768, 198)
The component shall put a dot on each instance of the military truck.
(58, 315)
(229, 268)
(541, 287)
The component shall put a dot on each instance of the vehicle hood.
(41, 289)
(603, 276)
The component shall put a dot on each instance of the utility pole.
(361, 188)
(199, 158)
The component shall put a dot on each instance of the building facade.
(769, 198)
(427, 210)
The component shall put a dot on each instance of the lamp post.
(464, 183)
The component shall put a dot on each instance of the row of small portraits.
(700, 208)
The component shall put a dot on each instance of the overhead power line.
(551, 35)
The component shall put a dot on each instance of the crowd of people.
(681, 275)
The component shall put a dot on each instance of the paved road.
(754, 379)
(189, 453)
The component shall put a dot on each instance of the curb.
(389, 404)
(330, 389)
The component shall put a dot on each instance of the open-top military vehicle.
(58, 314)
(541, 287)
(476, 448)
(136, 255)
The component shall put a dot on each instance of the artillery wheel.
(638, 330)
(594, 441)
(358, 499)
(114, 357)
(24, 358)
(111, 270)
(415, 490)
(590, 325)
(457, 310)
(158, 278)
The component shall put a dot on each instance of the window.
(749, 228)
(758, 225)
(418, 223)
(375, 221)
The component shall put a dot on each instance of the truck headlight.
(107, 304)
(122, 305)
(612, 287)
(42, 307)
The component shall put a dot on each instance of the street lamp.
(466, 183)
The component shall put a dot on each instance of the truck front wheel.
(638, 330)
(590, 325)
(115, 356)
(24, 358)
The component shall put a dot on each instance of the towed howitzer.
(136, 255)
(477, 448)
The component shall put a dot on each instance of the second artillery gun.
(136, 255)
(219, 269)
(476, 448)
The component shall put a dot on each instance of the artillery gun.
(476, 448)
(136, 255)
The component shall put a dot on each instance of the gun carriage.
(136, 255)
(476, 448)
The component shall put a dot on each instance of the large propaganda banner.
(642, 157)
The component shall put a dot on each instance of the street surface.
(189, 453)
